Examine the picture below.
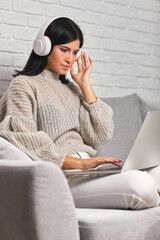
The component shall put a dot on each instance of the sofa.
(36, 202)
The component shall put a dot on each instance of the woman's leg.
(155, 173)
(129, 190)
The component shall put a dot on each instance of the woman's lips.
(65, 67)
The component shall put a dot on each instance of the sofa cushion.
(119, 224)
(148, 104)
(127, 121)
(10, 152)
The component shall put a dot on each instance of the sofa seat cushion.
(127, 121)
(103, 224)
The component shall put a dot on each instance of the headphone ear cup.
(38, 46)
(46, 46)
(42, 48)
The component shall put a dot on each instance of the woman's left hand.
(84, 70)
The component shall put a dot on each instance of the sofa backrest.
(127, 121)
(147, 103)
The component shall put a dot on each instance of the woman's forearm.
(72, 163)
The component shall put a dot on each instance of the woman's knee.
(142, 190)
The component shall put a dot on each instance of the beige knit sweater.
(49, 120)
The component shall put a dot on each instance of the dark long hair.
(60, 31)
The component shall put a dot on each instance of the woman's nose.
(69, 57)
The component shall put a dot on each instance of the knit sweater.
(49, 120)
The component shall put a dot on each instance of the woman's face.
(62, 57)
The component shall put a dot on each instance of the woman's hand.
(84, 70)
(94, 162)
(82, 78)
(84, 164)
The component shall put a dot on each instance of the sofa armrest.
(35, 202)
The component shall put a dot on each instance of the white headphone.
(42, 44)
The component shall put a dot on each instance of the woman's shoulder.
(22, 82)
(22, 79)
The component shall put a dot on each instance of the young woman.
(52, 119)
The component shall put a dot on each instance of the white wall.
(121, 36)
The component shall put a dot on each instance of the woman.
(54, 120)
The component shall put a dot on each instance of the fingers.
(91, 63)
(84, 60)
(117, 164)
(114, 161)
(79, 65)
(72, 71)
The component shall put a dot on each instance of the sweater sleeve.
(19, 124)
(96, 122)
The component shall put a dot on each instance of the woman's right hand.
(86, 163)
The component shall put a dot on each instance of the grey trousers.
(133, 189)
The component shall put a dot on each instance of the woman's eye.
(63, 50)
(75, 53)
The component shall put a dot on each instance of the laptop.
(144, 154)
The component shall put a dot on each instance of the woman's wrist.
(88, 93)
(72, 163)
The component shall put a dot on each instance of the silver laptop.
(145, 152)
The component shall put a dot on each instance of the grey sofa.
(35, 199)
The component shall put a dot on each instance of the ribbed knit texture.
(49, 120)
